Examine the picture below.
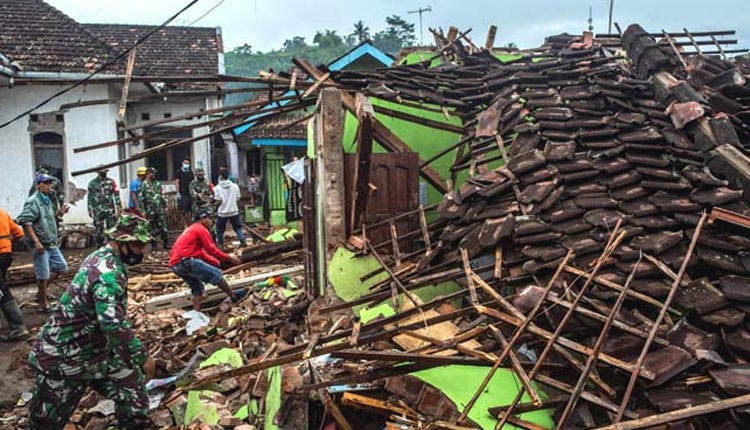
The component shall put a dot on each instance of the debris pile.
(588, 247)
(593, 284)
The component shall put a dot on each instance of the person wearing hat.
(201, 191)
(39, 221)
(104, 204)
(196, 259)
(57, 196)
(9, 230)
(152, 206)
(88, 341)
(135, 185)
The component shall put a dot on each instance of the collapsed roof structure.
(588, 264)
(589, 242)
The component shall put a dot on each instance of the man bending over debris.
(88, 342)
(195, 258)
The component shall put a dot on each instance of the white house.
(43, 51)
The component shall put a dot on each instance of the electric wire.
(100, 68)
(206, 13)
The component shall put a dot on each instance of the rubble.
(595, 290)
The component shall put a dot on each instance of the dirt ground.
(15, 375)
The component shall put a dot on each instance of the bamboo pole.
(659, 319)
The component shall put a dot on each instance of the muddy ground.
(15, 375)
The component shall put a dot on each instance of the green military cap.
(200, 170)
(130, 228)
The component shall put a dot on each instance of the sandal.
(44, 309)
(13, 337)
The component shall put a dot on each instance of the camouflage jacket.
(103, 196)
(89, 326)
(201, 193)
(150, 199)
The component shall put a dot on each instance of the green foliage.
(326, 46)
(361, 32)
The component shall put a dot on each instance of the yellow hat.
(141, 171)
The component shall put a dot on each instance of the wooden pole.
(659, 319)
(681, 414)
(584, 377)
(126, 85)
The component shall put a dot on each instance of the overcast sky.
(265, 24)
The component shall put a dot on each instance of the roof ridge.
(184, 27)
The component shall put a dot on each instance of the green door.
(276, 195)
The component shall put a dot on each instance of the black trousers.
(5, 260)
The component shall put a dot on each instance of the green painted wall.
(421, 56)
(422, 139)
(460, 383)
(345, 271)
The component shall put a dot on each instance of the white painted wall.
(83, 126)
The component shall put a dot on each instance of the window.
(49, 151)
(145, 116)
(167, 161)
(167, 115)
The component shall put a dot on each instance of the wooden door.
(394, 179)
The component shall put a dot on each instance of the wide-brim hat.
(130, 228)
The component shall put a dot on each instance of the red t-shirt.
(196, 242)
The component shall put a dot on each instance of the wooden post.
(329, 161)
(126, 86)
(361, 189)
(490, 42)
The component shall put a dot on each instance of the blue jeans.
(49, 260)
(195, 272)
(221, 226)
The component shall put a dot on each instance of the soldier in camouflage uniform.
(152, 206)
(104, 204)
(89, 343)
(57, 196)
(201, 191)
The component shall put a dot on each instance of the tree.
(296, 44)
(361, 32)
(396, 35)
(403, 30)
(328, 39)
(243, 50)
(511, 46)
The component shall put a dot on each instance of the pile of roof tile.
(591, 142)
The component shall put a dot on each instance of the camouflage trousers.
(157, 226)
(102, 221)
(56, 398)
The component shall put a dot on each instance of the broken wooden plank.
(183, 299)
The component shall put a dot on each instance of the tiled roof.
(38, 37)
(173, 51)
(282, 127)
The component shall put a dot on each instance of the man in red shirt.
(195, 258)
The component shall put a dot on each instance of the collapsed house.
(570, 277)
(585, 260)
